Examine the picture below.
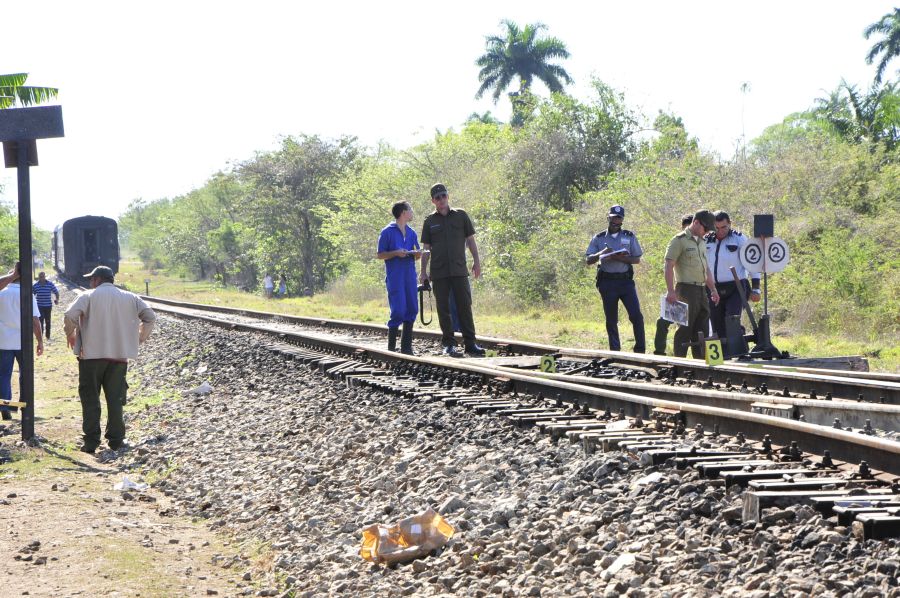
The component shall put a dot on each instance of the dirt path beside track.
(64, 530)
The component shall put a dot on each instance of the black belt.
(614, 275)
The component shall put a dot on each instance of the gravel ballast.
(277, 454)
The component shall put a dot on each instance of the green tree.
(13, 91)
(521, 54)
(289, 194)
(888, 47)
(858, 116)
(568, 147)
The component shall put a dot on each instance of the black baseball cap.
(437, 189)
(617, 211)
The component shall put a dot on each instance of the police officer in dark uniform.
(618, 251)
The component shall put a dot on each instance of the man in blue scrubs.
(398, 246)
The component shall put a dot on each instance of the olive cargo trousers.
(94, 374)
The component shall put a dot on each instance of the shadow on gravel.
(76, 464)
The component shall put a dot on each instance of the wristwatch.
(755, 291)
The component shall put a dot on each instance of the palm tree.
(521, 54)
(14, 91)
(889, 46)
(859, 116)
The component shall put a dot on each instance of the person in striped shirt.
(42, 290)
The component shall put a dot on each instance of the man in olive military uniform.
(445, 235)
(662, 325)
(723, 252)
(687, 273)
(618, 251)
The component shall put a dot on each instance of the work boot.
(406, 339)
(392, 338)
(474, 350)
(451, 351)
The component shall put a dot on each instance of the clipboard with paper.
(677, 312)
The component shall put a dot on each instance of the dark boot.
(392, 338)
(406, 339)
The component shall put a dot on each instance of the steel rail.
(846, 446)
(814, 411)
(777, 379)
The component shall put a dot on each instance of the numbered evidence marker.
(548, 364)
(714, 352)
(490, 353)
(773, 258)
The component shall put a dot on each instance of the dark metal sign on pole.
(19, 130)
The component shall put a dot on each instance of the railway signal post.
(766, 253)
(20, 128)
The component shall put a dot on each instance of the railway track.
(725, 434)
(798, 382)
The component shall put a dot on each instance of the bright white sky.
(157, 96)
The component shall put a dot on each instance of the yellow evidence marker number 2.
(548, 364)
(714, 352)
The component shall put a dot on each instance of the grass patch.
(147, 400)
(579, 326)
(155, 475)
(30, 462)
(128, 565)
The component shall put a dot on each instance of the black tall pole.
(19, 130)
(26, 367)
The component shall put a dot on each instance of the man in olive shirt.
(446, 233)
(687, 272)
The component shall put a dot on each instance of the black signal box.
(764, 225)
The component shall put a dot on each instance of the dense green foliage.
(537, 193)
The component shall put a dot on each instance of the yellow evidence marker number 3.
(548, 364)
(714, 352)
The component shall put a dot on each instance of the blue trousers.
(402, 298)
(7, 356)
(612, 291)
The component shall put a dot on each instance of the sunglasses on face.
(440, 196)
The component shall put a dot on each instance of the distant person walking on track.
(618, 251)
(662, 325)
(446, 233)
(105, 327)
(723, 252)
(687, 273)
(11, 334)
(398, 246)
(268, 285)
(43, 289)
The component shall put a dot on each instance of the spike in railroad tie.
(864, 471)
(869, 430)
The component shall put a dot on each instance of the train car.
(81, 244)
